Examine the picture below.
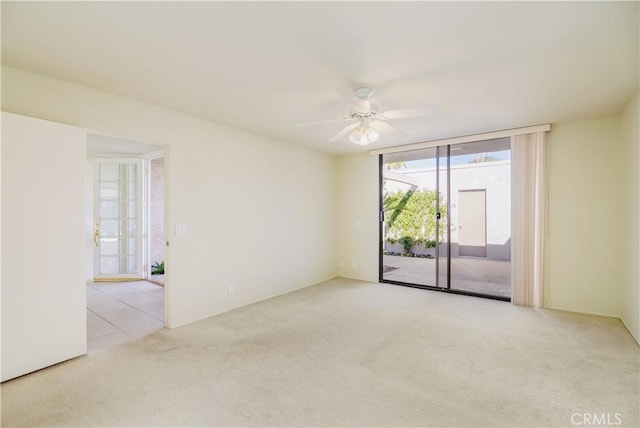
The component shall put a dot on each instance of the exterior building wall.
(494, 178)
(156, 212)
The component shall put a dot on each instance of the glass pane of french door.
(118, 219)
(411, 226)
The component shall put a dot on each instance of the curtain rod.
(463, 139)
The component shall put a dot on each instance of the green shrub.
(407, 243)
(157, 268)
(412, 213)
(431, 243)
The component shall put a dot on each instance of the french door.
(445, 218)
(118, 196)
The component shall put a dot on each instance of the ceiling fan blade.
(344, 132)
(322, 122)
(408, 112)
(385, 128)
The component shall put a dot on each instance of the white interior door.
(44, 318)
(118, 219)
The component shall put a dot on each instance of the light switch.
(181, 229)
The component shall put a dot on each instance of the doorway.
(445, 218)
(122, 301)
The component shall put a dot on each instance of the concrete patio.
(473, 274)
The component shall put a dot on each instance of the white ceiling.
(100, 145)
(265, 66)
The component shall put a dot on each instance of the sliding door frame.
(381, 218)
(448, 213)
(380, 221)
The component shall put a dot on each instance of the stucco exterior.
(493, 177)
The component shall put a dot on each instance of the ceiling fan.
(367, 122)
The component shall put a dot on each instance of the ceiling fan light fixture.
(363, 113)
(364, 135)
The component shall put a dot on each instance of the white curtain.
(528, 189)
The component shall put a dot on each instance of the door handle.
(96, 234)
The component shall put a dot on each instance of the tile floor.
(120, 311)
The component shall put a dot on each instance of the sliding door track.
(447, 290)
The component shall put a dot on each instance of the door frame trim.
(159, 154)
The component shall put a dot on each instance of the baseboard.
(630, 331)
(247, 304)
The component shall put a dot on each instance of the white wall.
(583, 253)
(43, 287)
(630, 252)
(272, 203)
(358, 236)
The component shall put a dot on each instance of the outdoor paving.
(474, 274)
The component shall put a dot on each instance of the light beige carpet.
(348, 353)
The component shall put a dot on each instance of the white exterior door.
(472, 222)
(118, 219)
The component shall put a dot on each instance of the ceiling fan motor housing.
(363, 93)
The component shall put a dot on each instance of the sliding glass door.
(446, 218)
(413, 220)
(481, 218)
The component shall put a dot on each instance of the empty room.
(370, 214)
